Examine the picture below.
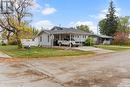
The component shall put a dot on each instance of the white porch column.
(60, 37)
(52, 40)
(81, 36)
(70, 41)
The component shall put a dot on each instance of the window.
(40, 38)
(48, 38)
(84, 36)
(33, 39)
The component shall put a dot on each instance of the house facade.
(50, 37)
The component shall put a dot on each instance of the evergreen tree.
(110, 25)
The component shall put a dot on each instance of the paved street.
(107, 70)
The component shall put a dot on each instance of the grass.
(113, 47)
(37, 52)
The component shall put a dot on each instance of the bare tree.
(16, 22)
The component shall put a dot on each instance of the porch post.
(70, 41)
(59, 36)
(52, 40)
(81, 36)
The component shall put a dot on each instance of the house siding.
(46, 41)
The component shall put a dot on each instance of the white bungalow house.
(50, 37)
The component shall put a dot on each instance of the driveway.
(107, 70)
(93, 49)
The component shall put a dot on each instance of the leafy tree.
(120, 38)
(23, 28)
(84, 28)
(35, 31)
(102, 26)
(6, 35)
(12, 40)
(109, 25)
(16, 22)
(89, 41)
(124, 24)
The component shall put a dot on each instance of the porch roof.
(103, 36)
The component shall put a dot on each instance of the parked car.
(68, 42)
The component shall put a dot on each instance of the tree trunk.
(8, 37)
(18, 40)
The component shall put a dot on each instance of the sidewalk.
(3, 55)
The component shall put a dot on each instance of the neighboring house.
(50, 37)
(102, 39)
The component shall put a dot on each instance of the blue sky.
(70, 13)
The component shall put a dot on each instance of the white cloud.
(45, 24)
(91, 25)
(35, 5)
(48, 10)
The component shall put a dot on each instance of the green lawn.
(36, 52)
(113, 47)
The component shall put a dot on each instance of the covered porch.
(69, 37)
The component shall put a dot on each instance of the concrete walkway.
(3, 55)
(93, 49)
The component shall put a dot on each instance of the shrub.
(12, 43)
(89, 41)
(3, 43)
(128, 42)
(120, 38)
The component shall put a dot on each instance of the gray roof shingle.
(64, 31)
